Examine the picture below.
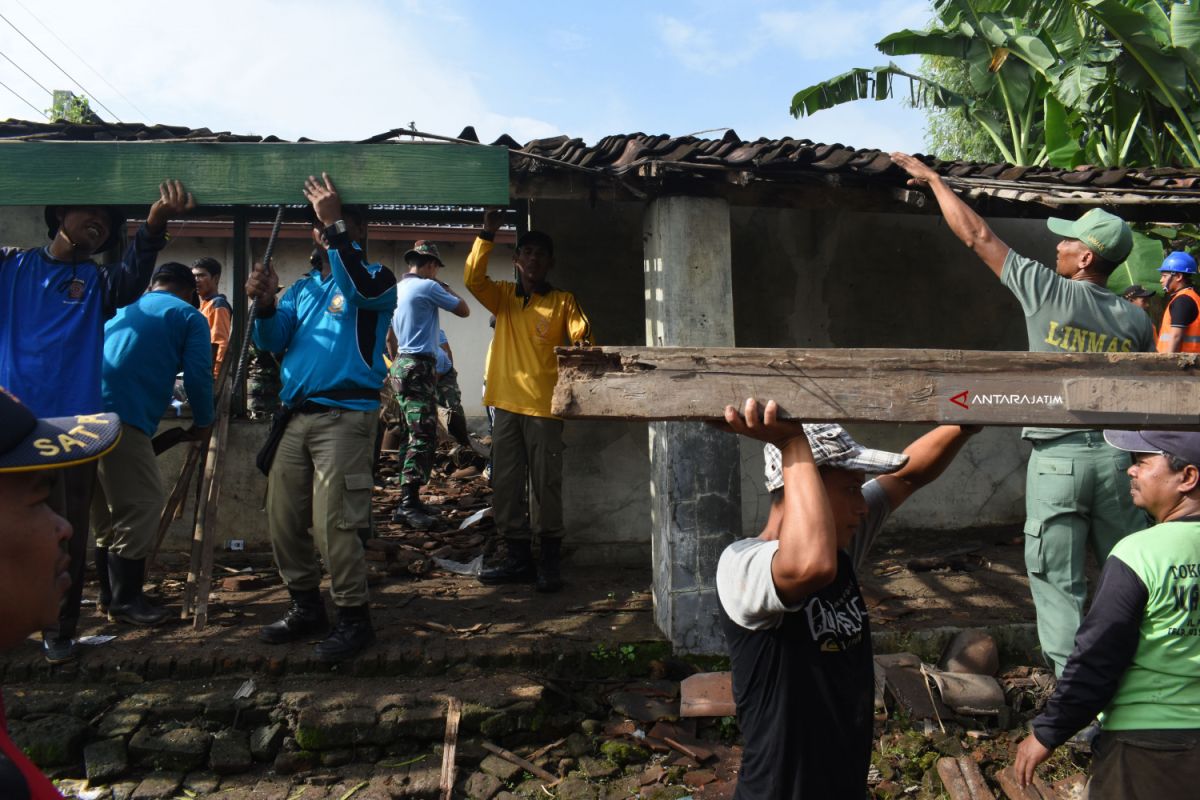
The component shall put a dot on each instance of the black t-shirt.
(1183, 311)
(805, 697)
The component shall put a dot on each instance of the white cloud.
(697, 49)
(297, 68)
(828, 30)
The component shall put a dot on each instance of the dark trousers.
(527, 450)
(1145, 765)
(71, 497)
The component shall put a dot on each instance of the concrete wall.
(816, 279)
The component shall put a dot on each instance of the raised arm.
(928, 458)
(370, 286)
(475, 275)
(807, 558)
(126, 281)
(968, 226)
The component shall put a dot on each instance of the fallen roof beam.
(1134, 390)
(128, 173)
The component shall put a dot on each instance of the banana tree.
(1082, 81)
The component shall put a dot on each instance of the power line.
(27, 75)
(22, 99)
(71, 50)
(60, 69)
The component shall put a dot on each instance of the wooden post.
(237, 291)
(199, 580)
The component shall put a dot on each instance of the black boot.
(517, 567)
(128, 603)
(352, 634)
(410, 512)
(105, 599)
(549, 577)
(305, 617)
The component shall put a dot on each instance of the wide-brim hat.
(832, 446)
(116, 220)
(1181, 444)
(1105, 234)
(427, 249)
(28, 443)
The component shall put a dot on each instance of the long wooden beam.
(232, 173)
(1134, 390)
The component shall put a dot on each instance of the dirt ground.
(916, 580)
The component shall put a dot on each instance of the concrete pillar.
(695, 482)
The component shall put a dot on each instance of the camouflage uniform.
(414, 391)
(262, 384)
(449, 396)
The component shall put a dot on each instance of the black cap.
(1184, 445)
(1136, 290)
(115, 220)
(28, 443)
(536, 238)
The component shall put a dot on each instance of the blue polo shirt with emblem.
(332, 329)
(52, 317)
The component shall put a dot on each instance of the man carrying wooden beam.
(795, 621)
(1076, 491)
(532, 318)
(330, 325)
(145, 346)
(53, 304)
(1136, 661)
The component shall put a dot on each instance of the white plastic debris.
(245, 690)
(471, 568)
(481, 514)
(95, 640)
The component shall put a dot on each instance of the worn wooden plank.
(231, 173)
(1135, 390)
(449, 747)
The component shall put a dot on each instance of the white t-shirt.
(744, 582)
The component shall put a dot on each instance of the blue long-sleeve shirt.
(332, 329)
(52, 317)
(145, 345)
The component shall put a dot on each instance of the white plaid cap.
(832, 445)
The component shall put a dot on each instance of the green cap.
(1105, 234)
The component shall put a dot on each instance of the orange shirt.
(1191, 334)
(219, 314)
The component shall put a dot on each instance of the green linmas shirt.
(1161, 688)
(1066, 316)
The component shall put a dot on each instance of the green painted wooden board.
(128, 173)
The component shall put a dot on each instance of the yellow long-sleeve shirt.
(521, 367)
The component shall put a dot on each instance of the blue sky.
(351, 69)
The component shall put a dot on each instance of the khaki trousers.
(527, 450)
(129, 497)
(321, 479)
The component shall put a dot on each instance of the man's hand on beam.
(326, 203)
(172, 201)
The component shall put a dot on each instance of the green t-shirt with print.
(1066, 316)
(1161, 687)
